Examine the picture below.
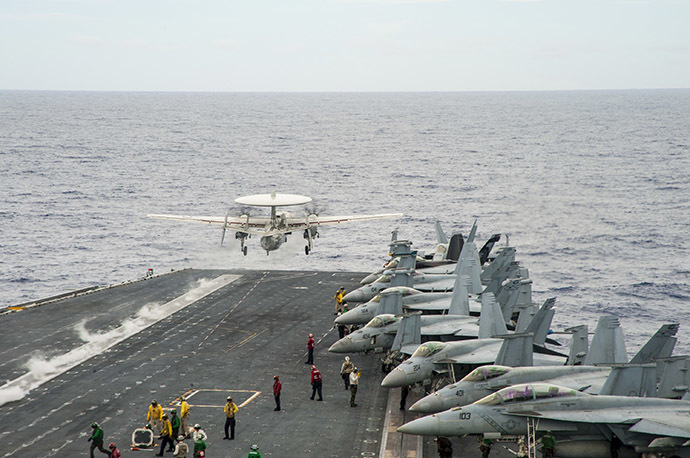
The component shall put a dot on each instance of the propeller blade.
(225, 225)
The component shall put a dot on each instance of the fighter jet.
(381, 331)
(468, 264)
(582, 423)
(434, 357)
(589, 378)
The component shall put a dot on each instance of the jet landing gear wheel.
(306, 249)
(244, 250)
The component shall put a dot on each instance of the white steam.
(40, 369)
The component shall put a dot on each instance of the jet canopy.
(428, 349)
(381, 321)
(403, 290)
(483, 373)
(527, 392)
(383, 279)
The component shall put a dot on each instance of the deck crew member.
(155, 416)
(345, 371)
(184, 416)
(277, 386)
(230, 410)
(354, 383)
(310, 349)
(316, 383)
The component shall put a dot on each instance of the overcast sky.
(344, 45)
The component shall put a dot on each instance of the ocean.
(592, 187)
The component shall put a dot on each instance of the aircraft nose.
(425, 426)
(394, 379)
(369, 279)
(347, 318)
(355, 296)
(429, 404)
(343, 345)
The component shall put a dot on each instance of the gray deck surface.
(230, 342)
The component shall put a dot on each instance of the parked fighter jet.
(589, 378)
(274, 230)
(583, 423)
(468, 264)
(434, 357)
(381, 331)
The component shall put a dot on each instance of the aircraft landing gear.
(242, 236)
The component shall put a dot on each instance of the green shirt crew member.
(254, 453)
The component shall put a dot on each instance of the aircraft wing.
(455, 327)
(297, 224)
(662, 422)
(486, 355)
(252, 225)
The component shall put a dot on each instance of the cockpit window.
(381, 321)
(429, 348)
(376, 298)
(519, 393)
(483, 373)
(383, 279)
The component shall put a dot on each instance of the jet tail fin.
(468, 263)
(638, 380)
(390, 303)
(455, 246)
(608, 343)
(674, 375)
(515, 293)
(505, 256)
(516, 350)
(491, 319)
(579, 345)
(541, 322)
(486, 249)
(459, 301)
(440, 235)
(409, 332)
(660, 345)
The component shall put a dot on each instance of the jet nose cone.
(429, 404)
(394, 379)
(355, 296)
(344, 345)
(425, 426)
(347, 317)
(369, 279)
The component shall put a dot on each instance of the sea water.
(592, 187)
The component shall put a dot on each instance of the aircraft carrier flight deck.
(103, 355)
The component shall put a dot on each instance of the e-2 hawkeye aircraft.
(274, 230)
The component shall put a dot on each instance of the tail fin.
(391, 302)
(488, 246)
(394, 235)
(455, 246)
(459, 301)
(541, 322)
(526, 313)
(468, 263)
(401, 277)
(440, 235)
(674, 376)
(491, 319)
(505, 256)
(512, 270)
(516, 350)
(409, 332)
(608, 343)
(637, 380)
(579, 345)
(403, 250)
(514, 293)
(660, 345)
